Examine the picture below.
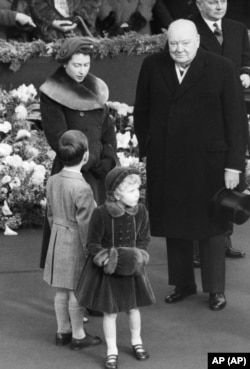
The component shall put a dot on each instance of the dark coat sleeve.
(245, 65)
(143, 232)
(141, 110)
(108, 157)
(234, 132)
(53, 120)
(7, 17)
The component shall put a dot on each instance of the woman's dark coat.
(189, 132)
(66, 105)
(115, 293)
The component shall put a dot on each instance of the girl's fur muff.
(122, 260)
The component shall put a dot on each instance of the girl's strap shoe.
(111, 362)
(139, 352)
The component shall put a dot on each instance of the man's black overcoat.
(190, 132)
(235, 46)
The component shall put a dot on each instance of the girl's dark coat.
(189, 132)
(115, 293)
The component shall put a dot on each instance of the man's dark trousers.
(212, 255)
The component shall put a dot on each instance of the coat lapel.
(169, 73)
(208, 39)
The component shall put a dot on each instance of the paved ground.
(177, 336)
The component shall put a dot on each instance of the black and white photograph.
(124, 184)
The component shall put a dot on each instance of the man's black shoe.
(233, 253)
(180, 293)
(217, 301)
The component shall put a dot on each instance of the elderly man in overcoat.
(187, 120)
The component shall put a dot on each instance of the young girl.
(114, 278)
(70, 205)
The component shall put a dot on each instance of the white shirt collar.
(211, 23)
(178, 72)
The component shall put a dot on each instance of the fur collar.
(116, 211)
(90, 94)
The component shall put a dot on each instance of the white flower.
(43, 203)
(123, 110)
(5, 127)
(28, 166)
(9, 232)
(15, 183)
(113, 105)
(32, 151)
(130, 109)
(21, 112)
(13, 161)
(5, 209)
(123, 140)
(6, 179)
(23, 133)
(134, 141)
(38, 175)
(5, 150)
(131, 120)
(24, 93)
(127, 160)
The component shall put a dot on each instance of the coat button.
(81, 113)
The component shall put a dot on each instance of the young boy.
(70, 204)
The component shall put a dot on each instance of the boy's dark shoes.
(88, 340)
(111, 362)
(63, 338)
(139, 352)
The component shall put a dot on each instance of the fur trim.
(100, 258)
(90, 94)
(110, 267)
(116, 211)
(145, 256)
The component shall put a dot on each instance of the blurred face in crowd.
(212, 9)
(183, 41)
(78, 67)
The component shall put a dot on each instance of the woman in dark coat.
(72, 98)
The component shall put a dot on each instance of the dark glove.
(136, 22)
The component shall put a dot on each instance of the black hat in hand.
(231, 205)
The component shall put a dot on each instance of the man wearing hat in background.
(188, 115)
(229, 38)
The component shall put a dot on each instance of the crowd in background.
(25, 20)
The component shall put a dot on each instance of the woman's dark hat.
(232, 205)
(115, 177)
(75, 45)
